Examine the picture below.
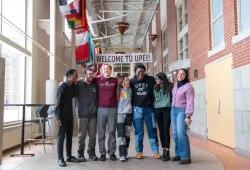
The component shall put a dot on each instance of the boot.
(81, 157)
(165, 155)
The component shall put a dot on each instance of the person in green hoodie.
(162, 105)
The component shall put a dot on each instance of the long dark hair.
(166, 85)
(119, 86)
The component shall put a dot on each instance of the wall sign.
(124, 58)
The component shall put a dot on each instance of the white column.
(53, 4)
(2, 78)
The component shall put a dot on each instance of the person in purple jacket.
(181, 112)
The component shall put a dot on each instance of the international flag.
(69, 9)
(82, 47)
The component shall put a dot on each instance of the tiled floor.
(206, 155)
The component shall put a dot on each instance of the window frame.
(239, 18)
(165, 58)
(183, 32)
(181, 19)
(221, 15)
(164, 39)
(25, 54)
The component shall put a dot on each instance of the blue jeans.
(179, 132)
(146, 115)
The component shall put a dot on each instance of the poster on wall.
(124, 58)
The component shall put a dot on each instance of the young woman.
(125, 118)
(181, 112)
(163, 96)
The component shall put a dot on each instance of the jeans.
(124, 122)
(179, 132)
(146, 115)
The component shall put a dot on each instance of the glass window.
(164, 40)
(244, 14)
(181, 44)
(182, 16)
(186, 53)
(217, 8)
(180, 12)
(218, 33)
(121, 69)
(14, 83)
(186, 19)
(182, 22)
(165, 63)
(217, 22)
(15, 14)
(181, 56)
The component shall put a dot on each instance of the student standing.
(86, 101)
(125, 117)
(142, 87)
(64, 115)
(163, 95)
(182, 110)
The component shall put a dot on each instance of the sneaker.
(126, 157)
(122, 159)
(157, 156)
(113, 157)
(72, 159)
(61, 163)
(139, 155)
(185, 161)
(93, 157)
(102, 158)
(81, 158)
(176, 158)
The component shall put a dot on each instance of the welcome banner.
(124, 58)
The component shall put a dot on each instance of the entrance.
(219, 96)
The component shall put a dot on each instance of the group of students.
(120, 102)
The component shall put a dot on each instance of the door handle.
(219, 108)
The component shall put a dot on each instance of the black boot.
(81, 156)
(165, 155)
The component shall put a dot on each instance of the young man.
(142, 101)
(64, 115)
(107, 111)
(86, 102)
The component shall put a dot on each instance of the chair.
(40, 117)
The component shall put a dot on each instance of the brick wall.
(172, 31)
(199, 30)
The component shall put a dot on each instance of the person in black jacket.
(86, 104)
(64, 115)
(142, 87)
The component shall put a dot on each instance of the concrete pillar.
(53, 4)
(2, 78)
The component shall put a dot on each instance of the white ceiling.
(140, 15)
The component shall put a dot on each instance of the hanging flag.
(83, 14)
(69, 9)
(82, 47)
